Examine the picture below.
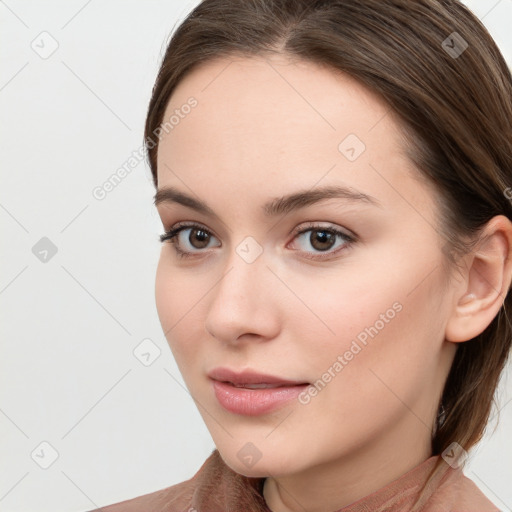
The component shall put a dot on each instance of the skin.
(264, 128)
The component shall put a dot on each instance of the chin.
(277, 464)
(259, 470)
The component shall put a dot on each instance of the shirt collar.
(217, 485)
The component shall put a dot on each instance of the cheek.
(390, 305)
(165, 298)
(386, 342)
(338, 308)
(178, 305)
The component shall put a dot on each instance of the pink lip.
(229, 390)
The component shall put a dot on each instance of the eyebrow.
(274, 207)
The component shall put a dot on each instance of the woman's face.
(350, 325)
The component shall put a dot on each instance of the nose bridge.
(245, 268)
(238, 287)
(240, 304)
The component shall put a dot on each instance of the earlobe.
(486, 284)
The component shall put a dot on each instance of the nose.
(244, 304)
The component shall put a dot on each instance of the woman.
(333, 179)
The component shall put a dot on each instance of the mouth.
(251, 378)
(251, 393)
(256, 386)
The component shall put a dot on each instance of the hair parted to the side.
(455, 114)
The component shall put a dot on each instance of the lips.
(256, 386)
(251, 393)
(250, 378)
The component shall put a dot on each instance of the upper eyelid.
(181, 226)
(299, 230)
(309, 225)
(312, 225)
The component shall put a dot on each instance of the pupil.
(201, 236)
(324, 237)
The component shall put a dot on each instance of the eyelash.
(171, 235)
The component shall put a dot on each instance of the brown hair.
(455, 110)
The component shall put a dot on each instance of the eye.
(198, 238)
(322, 240)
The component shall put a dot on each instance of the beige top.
(217, 488)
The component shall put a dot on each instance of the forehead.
(265, 124)
(260, 93)
(242, 99)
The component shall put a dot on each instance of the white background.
(68, 375)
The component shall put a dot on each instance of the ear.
(487, 277)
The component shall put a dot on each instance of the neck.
(343, 480)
